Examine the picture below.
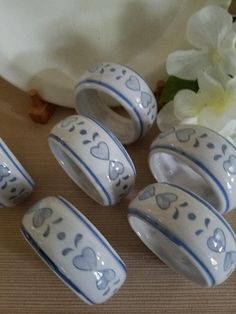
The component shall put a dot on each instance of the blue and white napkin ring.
(93, 158)
(74, 249)
(124, 86)
(15, 183)
(185, 232)
(197, 158)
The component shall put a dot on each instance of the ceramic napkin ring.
(127, 88)
(198, 159)
(185, 232)
(15, 183)
(74, 249)
(93, 158)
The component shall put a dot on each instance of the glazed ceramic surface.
(198, 159)
(15, 183)
(125, 86)
(74, 249)
(186, 232)
(48, 45)
(93, 158)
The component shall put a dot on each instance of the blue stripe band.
(51, 264)
(205, 203)
(200, 165)
(95, 233)
(31, 183)
(118, 93)
(167, 233)
(60, 141)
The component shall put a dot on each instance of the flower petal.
(187, 64)
(230, 41)
(208, 27)
(166, 118)
(209, 117)
(229, 129)
(208, 85)
(228, 62)
(187, 104)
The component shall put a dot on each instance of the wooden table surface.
(28, 286)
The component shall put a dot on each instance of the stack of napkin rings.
(178, 219)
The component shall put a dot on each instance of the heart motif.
(147, 193)
(4, 172)
(93, 68)
(230, 165)
(68, 121)
(116, 168)
(166, 133)
(230, 260)
(164, 200)
(146, 99)
(101, 151)
(107, 275)
(86, 261)
(40, 215)
(184, 135)
(217, 242)
(133, 83)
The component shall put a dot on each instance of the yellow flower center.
(216, 56)
(219, 101)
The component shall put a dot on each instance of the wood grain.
(28, 286)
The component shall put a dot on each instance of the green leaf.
(175, 84)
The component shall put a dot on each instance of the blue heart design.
(93, 68)
(164, 200)
(116, 168)
(146, 99)
(230, 165)
(4, 172)
(184, 135)
(230, 260)
(40, 215)
(133, 83)
(86, 261)
(147, 193)
(107, 275)
(166, 133)
(68, 121)
(217, 242)
(101, 151)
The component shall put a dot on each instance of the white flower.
(213, 106)
(210, 31)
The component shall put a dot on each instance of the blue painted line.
(200, 165)
(137, 213)
(17, 167)
(205, 203)
(117, 142)
(107, 291)
(60, 141)
(95, 233)
(115, 91)
(51, 264)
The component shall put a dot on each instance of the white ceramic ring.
(185, 232)
(74, 249)
(15, 183)
(197, 158)
(128, 89)
(93, 158)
